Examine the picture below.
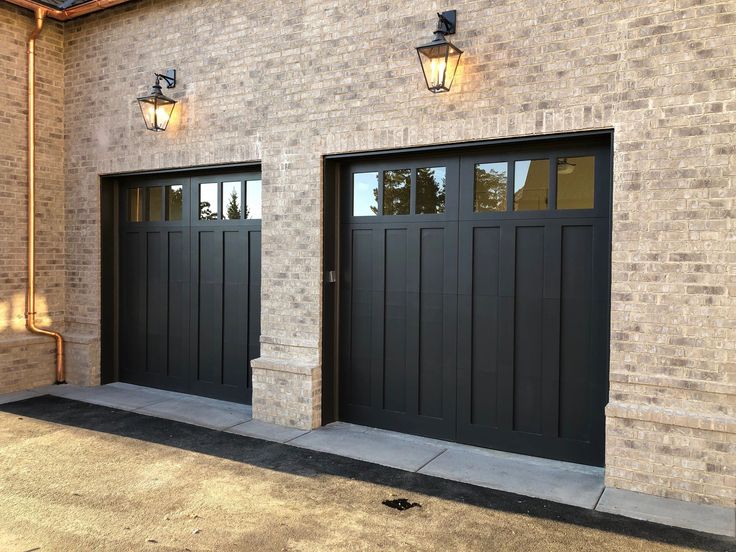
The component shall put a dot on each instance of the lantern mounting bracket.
(447, 22)
(169, 77)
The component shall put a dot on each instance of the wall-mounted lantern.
(440, 57)
(156, 107)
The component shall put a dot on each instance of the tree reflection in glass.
(431, 183)
(174, 202)
(231, 199)
(490, 187)
(208, 201)
(396, 192)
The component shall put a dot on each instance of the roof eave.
(70, 13)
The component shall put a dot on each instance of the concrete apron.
(561, 482)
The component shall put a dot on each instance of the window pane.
(174, 202)
(431, 190)
(231, 201)
(531, 185)
(253, 199)
(575, 182)
(208, 201)
(490, 187)
(396, 192)
(135, 204)
(153, 203)
(365, 194)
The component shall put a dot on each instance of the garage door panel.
(396, 298)
(235, 303)
(133, 301)
(399, 343)
(436, 323)
(510, 372)
(484, 377)
(528, 330)
(156, 303)
(178, 304)
(254, 300)
(575, 331)
(484, 383)
(209, 297)
(378, 316)
(359, 319)
(431, 322)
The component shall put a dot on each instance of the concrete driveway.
(75, 476)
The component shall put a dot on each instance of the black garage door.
(475, 296)
(189, 283)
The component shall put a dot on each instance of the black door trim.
(467, 147)
(199, 170)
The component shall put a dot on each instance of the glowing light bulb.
(437, 71)
(433, 73)
(162, 116)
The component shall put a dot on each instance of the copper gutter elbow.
(31, 291)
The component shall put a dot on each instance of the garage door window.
(232, 201)
(208, 201)
(253, 199)
(490, 187)
(135, 204)
(174, 202)
(365, 194)
(397, 192)
(153, 203)
(575, 182)
(431, 184)
(531, 185)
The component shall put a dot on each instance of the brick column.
(287, 393)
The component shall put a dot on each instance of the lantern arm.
(447, 22)
(169, 77)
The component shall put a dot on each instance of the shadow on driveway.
(305, 463)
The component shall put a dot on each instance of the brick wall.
(290, 81)
(27, 360)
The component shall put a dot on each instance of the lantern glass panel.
(157, 110)
(439, 63)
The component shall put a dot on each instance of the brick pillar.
(287, 393)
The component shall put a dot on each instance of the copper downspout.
(31, 294)
(70, 13)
